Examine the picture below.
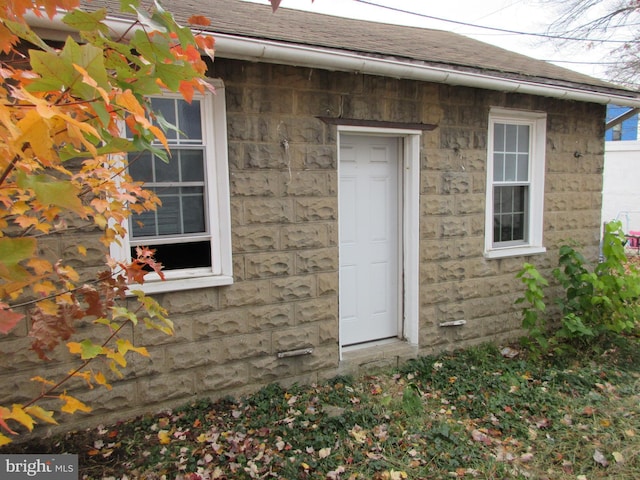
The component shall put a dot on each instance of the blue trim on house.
(628, 129)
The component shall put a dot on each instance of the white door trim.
(410, 140)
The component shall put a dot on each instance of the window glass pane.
(497, 200)
(182, 255)
(523, 168)
(523, 138)
(498, 137)
(189, 120)
(143, 225)
(519, 200)
(168, 214)
(192, 165)
(509, 213)
(510, 167)
(511, 140)
(498, 167)
(166, 107)
(496, 229)
(167, 172)
(517, 230)
(193, 213)
(141, 167)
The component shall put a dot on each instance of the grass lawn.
(467, 414)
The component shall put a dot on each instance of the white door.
(369, 238)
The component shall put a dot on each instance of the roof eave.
(270, 51)
(253, 49)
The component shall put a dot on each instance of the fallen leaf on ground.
(599, 458)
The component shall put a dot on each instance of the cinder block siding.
(284, 208)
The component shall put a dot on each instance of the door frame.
(409, 185)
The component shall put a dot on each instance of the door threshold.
(389, 352)
(373, 343)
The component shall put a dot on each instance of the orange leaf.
(186, 89)
(199, 20)
(7, 39)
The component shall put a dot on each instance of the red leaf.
(275, 4)
(92, 298)
(4, 425)
(49, 330)
(8, 319)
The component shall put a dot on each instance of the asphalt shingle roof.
(429, 47)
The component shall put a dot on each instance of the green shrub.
(598, 300)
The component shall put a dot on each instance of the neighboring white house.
(621, 180)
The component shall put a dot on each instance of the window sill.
(179, 284)
(514, 252)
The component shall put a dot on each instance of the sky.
(528, 16)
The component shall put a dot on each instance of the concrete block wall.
(284, 208)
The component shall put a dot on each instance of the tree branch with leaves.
(63, 163)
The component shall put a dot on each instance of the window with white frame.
(515, 182)
(190, 231)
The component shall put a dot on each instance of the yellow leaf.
(71, 404)
(102, 380)
(619, 458)
(44, 288)
(67, 272)
(398, 475)
(66, 298)
(42, 380)
(19, 415)
(74, 348)
(164, 437)
(117, 357)
(4, 440)
(48, 307)
(86, 376)
(39, 266)
(114, 369)
(202, 438)
(41, 414)
(36, 132)
(324, 452)
(304, 465)
(125, 346)
(358, 434)
(100, 221)
(82, 250)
